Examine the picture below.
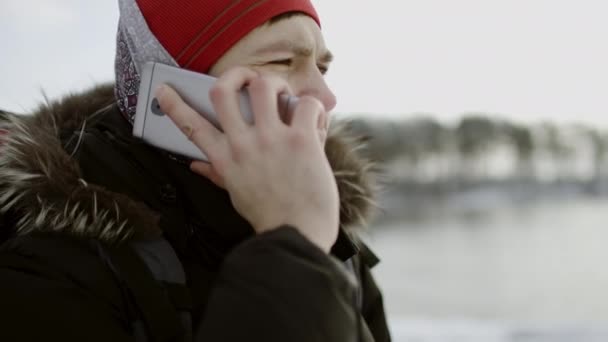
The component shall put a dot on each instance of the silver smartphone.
(157, 129)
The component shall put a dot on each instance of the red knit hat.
(198, 33)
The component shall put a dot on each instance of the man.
(114, 240)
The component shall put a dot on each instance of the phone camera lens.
(156, 108)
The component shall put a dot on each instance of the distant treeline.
(481, 148)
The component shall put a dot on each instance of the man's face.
(292, 48)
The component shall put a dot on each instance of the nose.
(317, 87)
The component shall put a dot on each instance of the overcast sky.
(522, 59)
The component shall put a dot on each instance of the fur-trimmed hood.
(41, 185)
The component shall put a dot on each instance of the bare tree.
(474, 135)
(559, 149)
(599, 144)
(521, 139)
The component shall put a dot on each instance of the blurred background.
(489, 121)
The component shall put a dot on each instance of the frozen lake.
(533, 272)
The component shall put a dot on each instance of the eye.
(286, 62)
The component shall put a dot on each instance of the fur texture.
(41, 185)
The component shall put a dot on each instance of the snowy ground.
(432, 330)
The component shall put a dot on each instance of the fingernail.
(187, 129)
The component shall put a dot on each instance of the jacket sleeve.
(280, 287)
(275, 287)
(373, 305)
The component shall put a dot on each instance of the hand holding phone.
(276, 172)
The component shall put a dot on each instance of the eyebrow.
(300, 50)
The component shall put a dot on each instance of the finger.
(327, 118)
(226, 98)
(289, 110)
(324, 131)
(198, 130)
(323, 123)
(264, 94)
(208, 171)
(308, 114)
